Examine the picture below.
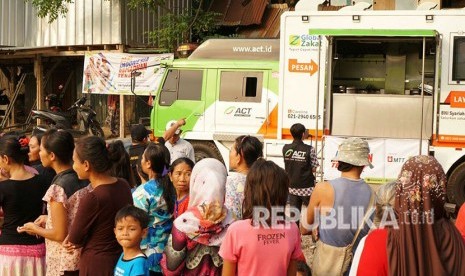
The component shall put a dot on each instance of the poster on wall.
(110, 73)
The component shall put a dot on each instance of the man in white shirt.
(177, 146)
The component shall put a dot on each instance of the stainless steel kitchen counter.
(381, 115)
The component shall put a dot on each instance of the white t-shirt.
(357, 256)
(181, 148)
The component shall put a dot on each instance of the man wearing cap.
(139, 137)
(177, 146)
(300, 163)
(344, 197)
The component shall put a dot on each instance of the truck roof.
(224, 64)
(237, 49)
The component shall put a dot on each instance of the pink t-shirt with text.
(260, 251)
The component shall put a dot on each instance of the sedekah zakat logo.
(238, 111)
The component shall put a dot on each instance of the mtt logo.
(238, 111)
(392, 159)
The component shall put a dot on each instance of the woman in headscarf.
(197, 234)
(422, 240)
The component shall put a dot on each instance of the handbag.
(331, 260)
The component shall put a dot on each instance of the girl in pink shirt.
(265, 242)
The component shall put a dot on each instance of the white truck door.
(242, 101)
(302, 84)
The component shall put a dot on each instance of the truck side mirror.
(134, 74)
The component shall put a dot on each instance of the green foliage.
(206, 25)
(179, 28)
(51, 8)
(151, 4)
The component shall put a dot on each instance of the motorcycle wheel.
(96, 130)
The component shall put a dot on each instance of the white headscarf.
(206, 218)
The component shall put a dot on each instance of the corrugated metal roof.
(270, 23)
(88, 22)
(240, 12)
(329, 8)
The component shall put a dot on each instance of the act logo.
(295, 155)
(294, 40)
(238, 111)
(229, 110)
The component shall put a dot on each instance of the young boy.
(130, 227)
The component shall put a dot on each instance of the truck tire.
(206, 149)
(456, 185)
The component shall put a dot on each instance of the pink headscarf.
(206, 219)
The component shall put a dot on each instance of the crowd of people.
(91, 208)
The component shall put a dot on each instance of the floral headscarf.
(206, 219)
(426, 242)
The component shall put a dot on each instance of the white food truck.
(394, 78)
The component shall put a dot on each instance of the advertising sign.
(299, 78)
(452, 118)
(386, 155)
(110, 73)
(399, 151)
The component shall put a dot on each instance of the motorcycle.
(53, 102)
(86, 121)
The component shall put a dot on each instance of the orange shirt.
(460, 222)
(181, 206)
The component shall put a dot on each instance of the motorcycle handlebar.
(78, 103)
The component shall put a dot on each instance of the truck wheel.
(456, 185)
(205, 149)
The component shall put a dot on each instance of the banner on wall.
(375, 156)
(110, 73)
(386, 155)
(399, 151)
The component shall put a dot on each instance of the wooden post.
(121, 116)
(39, 74)
(12, 87)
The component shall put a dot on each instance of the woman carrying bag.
(336, 201)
